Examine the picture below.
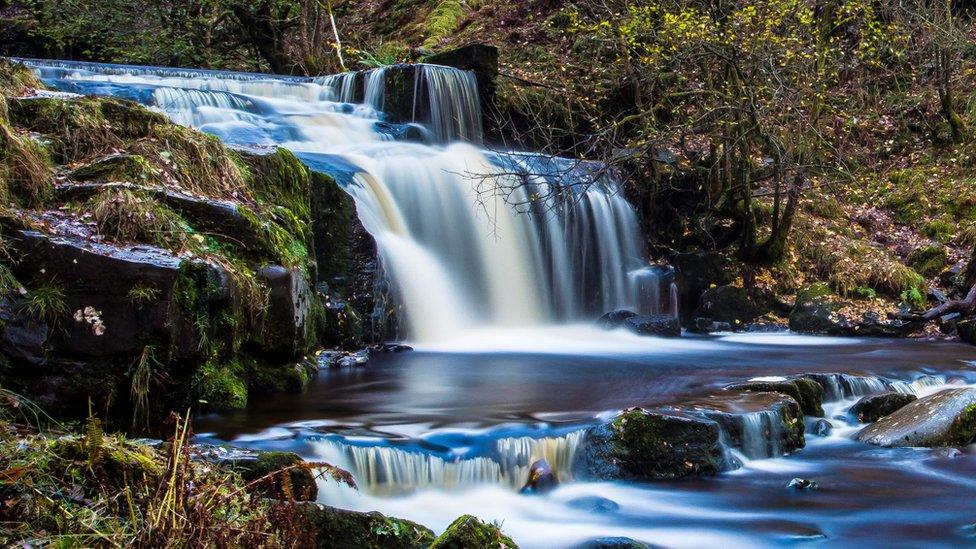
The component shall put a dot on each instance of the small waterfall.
(760, 434)
(452, 102)
(469, 238)
(384, 470)
(673, 301)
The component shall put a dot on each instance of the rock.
(946, 418)
(874, 407)
(467, 532)
(696, 272)
(807, 392)
(390, 348)
(653, 325)
(708, 326)
(285, 326)
(542, 478)
(823, 427)
(642, 444)
(615, 542)
(802, 484)
(819, 315)
(760, 425)
(272, 466)
(594, 504)
(614, 319)
(729, 304)
(341, 529)
(967, 331)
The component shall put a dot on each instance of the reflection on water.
(454, 425)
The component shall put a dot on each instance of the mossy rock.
(342, 529)
(946, 418)
(17, 79)
(645, 444)
(807, 392)
(288, 378)
(929, 260)
(115, 167)
(299, 485)
(467, 532)
(813, 291)
(219, 387)
(84, 126)
(874, 407)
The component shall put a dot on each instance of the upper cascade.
(469, 238)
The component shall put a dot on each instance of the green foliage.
(143, 294)
(940, 230)
(46, 302)
(129, 216)
(26, 170)
(387, 53)
(913, 296)
(929, 260)
(443, 21)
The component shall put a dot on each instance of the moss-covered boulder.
(929, 260)
(729, 304)
(807, 392)
(341, 529)
(467, 532)
(646, 444)
(279, 475)
(946, 418)
(874, 407)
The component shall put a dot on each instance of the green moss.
(467, 531)
(963, 430)
(341, 529)
(129, 216)
(940, 230)
(813, 291)
(652, 445)
(220, 387)
(807, 392)
(929, 260)
(117, 167)
(443, 21)
(263, 378)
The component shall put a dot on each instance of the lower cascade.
(470, 238)
(381, 470)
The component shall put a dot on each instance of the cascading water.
(470, 238)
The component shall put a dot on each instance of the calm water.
(438, 407)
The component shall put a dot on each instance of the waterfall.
(469, 238)
(383, 470)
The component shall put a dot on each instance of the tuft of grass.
(128, 216)
(26, 170)
(46, 303)
(387, 53)
(143, 294)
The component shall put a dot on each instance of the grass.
(46, 303)
(129, 216)
(25, 169)
(143, 294)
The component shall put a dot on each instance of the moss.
(127, 216)
(87, 126)
(219, 387)
(110, 459)
(467, 531)
(443, 21)
(16, 79)
(264, 378)
(117, 167)
(813, 291)
(194, 161)
(341, 529)
(808, 393)
(940, 230)
(652, 445)
(929, 260)
(963, 430)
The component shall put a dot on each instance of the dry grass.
(128, 216)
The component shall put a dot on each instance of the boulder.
(801, 484)
(270, 468)
(822, 427)
(946, 418)
(708, 326)
(807, 392)
(819, 315)
(542, 478)
(760, 425)
(341, 529)
(729, 304)
(642, 444)
(614, 319)
(594, 504)
(653, 325)
(467, 532)
(696, 272)
(285, 325)
(967, 331)
(874, 407)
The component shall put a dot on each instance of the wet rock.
(874, 407)
(802, 484)
(285, 324)
(946, 418)
(390, 348)
(615, 542)
(967, 331)
(807, 392)
(467, 532)
(729, 304)
(708, 326)
(646, 444)
(594, 504)
(614, 319)
(542, 478)
(760, 425)
(341, 529)
(270, 469)
(653, 325)
(764, 327)
(819, 315)
(696, 272)
(822, 427)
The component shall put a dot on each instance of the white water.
(471, 239)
